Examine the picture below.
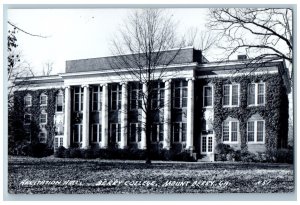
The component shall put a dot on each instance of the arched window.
(43, 99)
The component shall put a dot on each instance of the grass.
(32, 175)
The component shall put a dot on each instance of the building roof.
(174, 56)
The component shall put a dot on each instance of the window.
(180, 94)
(256, 131)
(230, 131)
(207, 96)
(78, 99)
(43, 117)
(77, 133)
(115, 97)
(115, 132)
(179, 132)
(27, 119)
(135, 132)
(43, 137)
(59, 102)
(157, 132)
(43, 99)
(96, 98)
(58, 141)
(96, 133)
(256, 94)
(135, 96)
(28, 100)
(231, 95)
(158, 95)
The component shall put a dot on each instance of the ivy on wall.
(35, 110)
(276, 104)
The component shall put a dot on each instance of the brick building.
(201, 104)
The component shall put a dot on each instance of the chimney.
(242, 57)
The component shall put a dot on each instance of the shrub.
(60, 152)
(88, 154)
(75, 153)
(223, 152)
(248, 157)
(284, 156)
(38, 150)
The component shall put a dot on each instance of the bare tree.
(201, 40)
(47, 68)
(260, 33)
(142, 54)
(17, 67)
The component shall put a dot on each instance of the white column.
(104, 120)
(143, 125)
(190, 115)
(85, 117)
(167, 115)
(124, 113)
(67, 125)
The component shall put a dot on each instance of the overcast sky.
(77, 34)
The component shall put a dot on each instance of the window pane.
(132, 132)
(183, 132)
(251, 94)
(226, 94)
(226, 131)
(207, 96)
(176, 132)
(235, 94)
(234, 131)
(119, 132)
(250, 132)
(161, 132)
(209, 146)
(261, 94)
(204, 144)
(260, 131)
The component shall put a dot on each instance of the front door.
(207, 144)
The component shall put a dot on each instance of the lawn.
(54, 175)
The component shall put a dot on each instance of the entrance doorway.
(207, 144)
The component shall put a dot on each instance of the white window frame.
(43, 113)
(256, 94)
(157, 91)
(80, 99)
(159, 129)
(181, 94)
(138, 130)
(99, 101)
(56, 102)
(137, 92)
(118, 92)
(25, 118)
(99, 133)
(180, 132)
(212, 96)
(79, 133)
(230, 95)
(45, 133)
(230, 128)
(25, 99)
(255, 132)
(41, 96)
(118, 125)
